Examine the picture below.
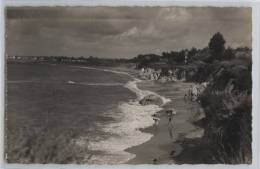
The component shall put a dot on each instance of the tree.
(191, 54)
(217, 46)
(229, 54)
(146, 60)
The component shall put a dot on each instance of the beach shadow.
(194, 152)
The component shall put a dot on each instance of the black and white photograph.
(128, 85)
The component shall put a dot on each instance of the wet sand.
(162, 146)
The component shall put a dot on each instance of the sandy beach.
(162, 147)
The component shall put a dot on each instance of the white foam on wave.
(124, 131)
(71, 82)
(132, 85)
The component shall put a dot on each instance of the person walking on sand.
(190, 94)
(194, 93)
(155, 161)
(185, 97)
(156, 122)
(170, 127)
(171, 112)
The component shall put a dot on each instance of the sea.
(99, 107)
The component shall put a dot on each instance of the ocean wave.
(125, 131)
(132, 85)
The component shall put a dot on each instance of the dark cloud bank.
(121, 31)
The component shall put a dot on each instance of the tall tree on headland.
(217, 46)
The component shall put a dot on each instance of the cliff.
(227, 104)
(226, 88)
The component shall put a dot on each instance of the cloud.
(174, 14)
(134, 33)
(121, 31)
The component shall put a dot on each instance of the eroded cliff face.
(195, 72)
(174, 74)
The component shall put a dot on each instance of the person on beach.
(170, 127)
(185, 97)
(170, 120)
(155, 160)
(174, 112)
(171, 113)
(172, 154)
(194, 93)
(190, 94)
(156, 122)
(198, 95)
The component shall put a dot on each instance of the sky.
(121, 32)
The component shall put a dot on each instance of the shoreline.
(159, 145)
(134, 116)
(161, 148)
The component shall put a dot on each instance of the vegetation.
(217, 47)
(227, 104)
(226, 100)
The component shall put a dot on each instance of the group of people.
(170, 113)
(193, 93)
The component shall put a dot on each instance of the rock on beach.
(151, 99)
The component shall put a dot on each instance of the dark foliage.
(217, 46)
(229, 54)
(228, 114)
(145, 60)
